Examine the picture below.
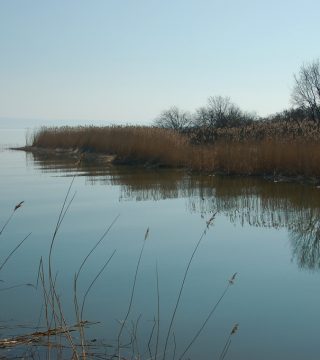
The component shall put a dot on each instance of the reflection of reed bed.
(305, 241)
(56, 338)
(264, 149)
(244, 200)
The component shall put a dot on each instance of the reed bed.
(268, 149)
(259, 130)
(130, 143)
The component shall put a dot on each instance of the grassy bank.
(269, 150)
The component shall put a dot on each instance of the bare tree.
(306, 91)
(174, 118)
(219, 113)
(219, 108)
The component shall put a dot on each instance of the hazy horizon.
(19, 123)
(125, 62)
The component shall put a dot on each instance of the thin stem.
(158, 313)
(225, 349)
(183, 282)
(13, 251)
(150, 337)
(18, 206)
(174, 346)
(132, 290)
(93, 281)
(205, 322)
(95, 246)
(6, 223)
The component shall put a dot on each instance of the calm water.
(266, 232)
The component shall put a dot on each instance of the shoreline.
(112, 159)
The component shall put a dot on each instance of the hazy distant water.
(13, 132)
(36, 123)
(268, 233)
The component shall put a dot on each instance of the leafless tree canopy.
(203, 124)
(220, 112)
(174, 118)
(306, 92)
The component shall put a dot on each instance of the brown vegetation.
(131, 144)
(262, 148)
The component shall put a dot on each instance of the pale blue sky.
(124, 61)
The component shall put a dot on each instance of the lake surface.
(268, 233)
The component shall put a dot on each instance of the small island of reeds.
(263, 148)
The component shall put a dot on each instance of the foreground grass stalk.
(93, 281)
(158, 313)
(150, 337)
(55, 317)
(13, 251)
(18, 245)
(54, 310)
(63, 211)
(135, 344)
(96, 245)
(156, 321)
(16, 286)
(174, 346)
(18, 206)
(79, 314)
(228, 342)
(53, 299)
(132, 292)
(209, 222)
(197, 334)
(6, 223)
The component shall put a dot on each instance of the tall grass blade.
(10, 217)
(132, 291)
(197, 334)
(93, 281)
(13, 251)
(228, 342)
(208, 223)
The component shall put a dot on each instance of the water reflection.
(305, 241)
(247, 201)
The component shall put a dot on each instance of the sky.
(125, 61)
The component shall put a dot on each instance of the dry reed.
(258, 149)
